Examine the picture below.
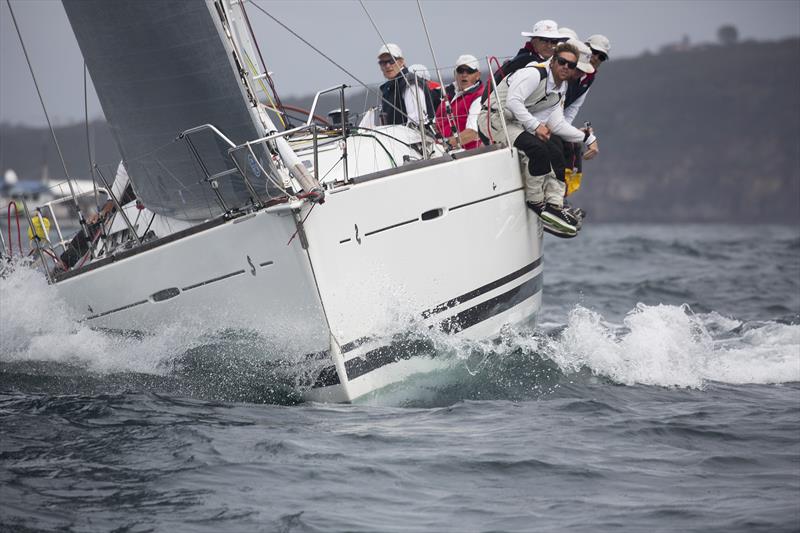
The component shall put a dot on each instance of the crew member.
(539, 48)
(400, 94)
(533, 97)
(463, 96)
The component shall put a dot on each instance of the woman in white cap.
(463, 95)
(399, 100)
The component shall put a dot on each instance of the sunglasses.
(600, 55)
(549, 41)
(382, 62)
(572, 65)
(466, 70)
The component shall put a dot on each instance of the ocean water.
(660, 391)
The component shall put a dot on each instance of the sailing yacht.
(328, 241)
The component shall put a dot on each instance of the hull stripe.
(406, 349)
(458, 300)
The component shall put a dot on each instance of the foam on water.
(668, 345)
(661, 345)
(37, 325)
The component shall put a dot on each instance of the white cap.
(599, 43)
(391, 49)
(468, 61)
(420, 70)
(568, 32)
(544, 28)
(584, 55)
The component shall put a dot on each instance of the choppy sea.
(660, 391)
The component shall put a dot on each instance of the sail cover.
(160, 68)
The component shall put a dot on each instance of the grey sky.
(342, 30)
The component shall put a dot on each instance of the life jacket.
(538, 100)
(577, 88)
(459, 106)
(524, 56)
(394, 107)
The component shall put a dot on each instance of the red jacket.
(460, 109)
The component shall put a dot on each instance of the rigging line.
(88, 143)
(421, 113)
(317, 50)
(47, 116)
(430, 46)
(320, 52)
(284, 118)
(448, 109)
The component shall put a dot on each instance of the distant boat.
(11, 187)
(235, 232)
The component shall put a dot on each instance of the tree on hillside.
(727, 35)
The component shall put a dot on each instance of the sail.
(160, 68)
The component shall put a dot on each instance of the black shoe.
(577, 213)
(559, 219)
(536, 208)
(556, 233)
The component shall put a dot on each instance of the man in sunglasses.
(532, 97)
(539, 48)
(400, 94)
(457, 117)
(597, 47)
(600, 46)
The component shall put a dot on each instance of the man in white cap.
(532, 97)
(434, 88)
(400, 94)
(600, 46)
(539, 48)
(457, 117)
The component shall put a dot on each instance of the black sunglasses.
(600, 55)
(382, 62)
(466, 70)
(549, 41)
(572, 65)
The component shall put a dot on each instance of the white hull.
(448, 245)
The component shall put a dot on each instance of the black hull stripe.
(213, 280)
(118, 309)
(406, 349)
(482, 290)
(390, 227)
(485, 199)
(352, 345)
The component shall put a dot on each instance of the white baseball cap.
(599, 43)
(468, 61)
(568, 32)
(584, 55)
(544, 28)
(420, 70)
(391, 49)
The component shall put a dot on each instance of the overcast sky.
(342, 30)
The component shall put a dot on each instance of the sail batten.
(160, 68)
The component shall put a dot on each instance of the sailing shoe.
(557, 233)
(559, 219)
(536, 207)
(577, 213)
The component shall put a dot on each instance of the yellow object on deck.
(573, 180)
(40, 232)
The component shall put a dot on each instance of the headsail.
(160, 68)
